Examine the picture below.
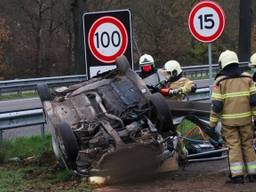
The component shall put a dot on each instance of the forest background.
(44, 37)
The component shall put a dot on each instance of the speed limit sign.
(107, 39)
(206, 21)
(107, 35)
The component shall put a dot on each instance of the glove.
(175, 92)
(193, 88)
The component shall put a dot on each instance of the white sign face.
(107, 39)
(206, 21)
(100, 69)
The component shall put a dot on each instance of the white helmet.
(227, 57)
(173, 68)
(146, 59)
(253, 60)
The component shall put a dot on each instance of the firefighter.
(149, 72)
(177, 85)
(253, 66)
(234, 104)
(147, 65)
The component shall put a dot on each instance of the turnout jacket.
(233, 100)
(183, 85)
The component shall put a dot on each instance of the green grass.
(39, 173)
(27, 94)
(26, 147)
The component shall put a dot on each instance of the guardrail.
(30, 84)
(199, 71)
(23, 118)
(195, 72)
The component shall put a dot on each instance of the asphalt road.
(20, 104)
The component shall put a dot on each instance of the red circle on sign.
(124, 39)
(221, 15)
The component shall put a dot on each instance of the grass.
(34, 168)
(25, 94)
(25, 147)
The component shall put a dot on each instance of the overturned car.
(109, 125)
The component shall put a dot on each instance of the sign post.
(206, 23)
(107, 35)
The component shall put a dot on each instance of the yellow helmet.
(173, 68)
(253, 60)
(227, 57)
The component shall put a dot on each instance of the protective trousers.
(242, 157)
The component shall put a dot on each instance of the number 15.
(206, 21)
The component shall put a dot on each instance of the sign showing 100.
(105, 39)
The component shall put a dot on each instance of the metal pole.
(210, 65)
(208, 152)
(42, 131)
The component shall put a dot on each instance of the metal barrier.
(202, 71)
(30, 84)
(23, 118)
(195, 72)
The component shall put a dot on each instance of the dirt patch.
(200, 177)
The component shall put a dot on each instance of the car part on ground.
(110, 124)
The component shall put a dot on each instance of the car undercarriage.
(112, 124)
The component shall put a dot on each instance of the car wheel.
(57, 152)
(44, 92)
(68, 144)
(122, 64)
(161, 113)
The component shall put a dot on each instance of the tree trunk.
(245, 30)
(77, 12)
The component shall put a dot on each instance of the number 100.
(105, 39)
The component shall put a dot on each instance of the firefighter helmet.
(173, 68)
(146, 60)
(253, 60)
(227, 57)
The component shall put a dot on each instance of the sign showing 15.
(206, 21)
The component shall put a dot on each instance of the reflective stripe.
(216, 96)
(214, 119)
(251, 167)
(253, 89)
(236, 115)
(237, 168)
(230, 95)
(236, 94)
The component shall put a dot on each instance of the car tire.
(161, 113)
(57, 152)
(44, 92)
(69, 145)
(122, 64)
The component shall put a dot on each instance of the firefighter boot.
(236, 180)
